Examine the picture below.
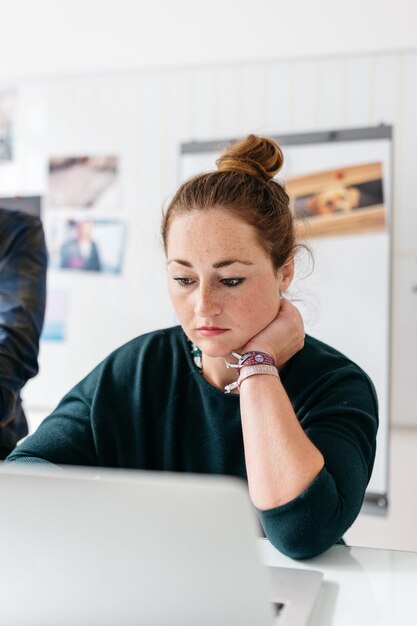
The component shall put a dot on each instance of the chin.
(214, 347)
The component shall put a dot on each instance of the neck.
(216, 372)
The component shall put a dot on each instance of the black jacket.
(23, 264)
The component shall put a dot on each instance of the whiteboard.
(345, 300)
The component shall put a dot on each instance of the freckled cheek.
(257, 311)
(244, 310)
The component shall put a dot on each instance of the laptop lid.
(128, 548)
(90, 547)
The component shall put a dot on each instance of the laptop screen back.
(128, 548)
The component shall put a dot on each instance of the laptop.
(116, 547)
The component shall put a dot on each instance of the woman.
(299, 420)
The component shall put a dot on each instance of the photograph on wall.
(83, 182)
(340, 201)
(56, 314)
(7, 124)
(90, 245)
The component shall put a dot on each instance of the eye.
(232, 282)
(183, 281)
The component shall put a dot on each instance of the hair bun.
(259, 156)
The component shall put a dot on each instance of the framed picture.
(92, 245)
(83, 182)
(341, 201)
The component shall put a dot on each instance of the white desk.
(362, 586)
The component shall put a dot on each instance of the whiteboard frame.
(375, 503)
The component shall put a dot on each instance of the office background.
(134, 81)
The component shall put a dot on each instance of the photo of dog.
(338, 201)
(334, 199)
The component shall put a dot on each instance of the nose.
(207, 304)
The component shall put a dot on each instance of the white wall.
(142, 116)
(53, 39)
(50, 37)
(396, 531)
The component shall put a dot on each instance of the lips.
(210, 331)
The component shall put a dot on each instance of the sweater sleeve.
(65, 437)
(23, 262)
(340, 416)
(98, 422)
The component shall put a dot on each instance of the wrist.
(252, 370)
(263, 348)
(250, 363)
(255, 357)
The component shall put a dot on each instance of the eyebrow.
(217, 265)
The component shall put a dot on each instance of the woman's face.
(221, 282)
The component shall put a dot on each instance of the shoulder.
(15, 221)
(18, 227)
(156, 339)
(320, 366)
(322, 357)
(158, 347)
(316, 347)
(149, 359)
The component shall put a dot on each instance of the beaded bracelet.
(253, 357)
(249, 364)
(251, 370)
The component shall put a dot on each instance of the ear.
(286, 274)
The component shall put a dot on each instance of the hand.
(283, 337)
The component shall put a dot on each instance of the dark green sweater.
(146, 406)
